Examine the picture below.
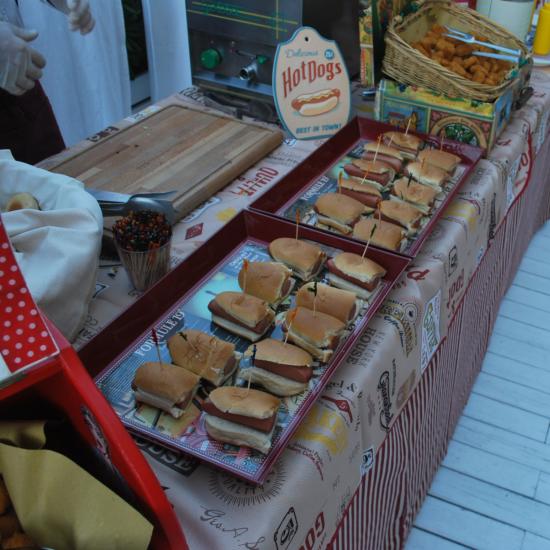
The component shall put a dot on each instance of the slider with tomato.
(354, 273)
(282, 369)
(242, 314)
(241, 416)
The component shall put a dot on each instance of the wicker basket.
(405, 64)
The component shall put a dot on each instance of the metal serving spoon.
(137, 203)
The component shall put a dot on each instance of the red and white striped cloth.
(381, 511)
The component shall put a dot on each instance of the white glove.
(78, 12)
(20, 65)
(80, 16)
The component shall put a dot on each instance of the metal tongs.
(509, 54)
(120, 204)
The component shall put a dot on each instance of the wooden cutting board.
(177, 148)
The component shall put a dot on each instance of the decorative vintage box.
(473, 122)
(373, 20)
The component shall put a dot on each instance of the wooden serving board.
(176, 148)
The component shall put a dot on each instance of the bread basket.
(407, 65)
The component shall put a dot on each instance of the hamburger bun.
(269, 281)
(341, 304)
(440, 159)
(305, 259)
(387, 235)
(203, 354)
(338, 211)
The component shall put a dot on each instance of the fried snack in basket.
(457, 57)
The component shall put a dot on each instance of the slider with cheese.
(341, 304)
(339, 212)
(387, 235)
(211, 358)
(364, 192)
(305, 259)
(403, 213)
(316, 332)
(388, 155)
(282, 369)
(352, 272)
(440, 159)
(164, 386)
(408, 144)
(241, 416)
(269, 281)
(377, 173)
(242, 314)
(419, 195)
(427, 174)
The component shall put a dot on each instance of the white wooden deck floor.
(493, 489)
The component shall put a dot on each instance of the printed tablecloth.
(347, 476)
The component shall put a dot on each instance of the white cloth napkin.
(57, 247)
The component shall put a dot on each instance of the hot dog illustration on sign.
(311, 85)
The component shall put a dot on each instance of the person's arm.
(78, 12)
(20, 65)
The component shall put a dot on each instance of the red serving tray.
(289, 188)
(113, 347)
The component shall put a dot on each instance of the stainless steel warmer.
(233, 43)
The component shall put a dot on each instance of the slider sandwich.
(408, 144)
(242, 314)
(282, 369)
(241, 416)
(317, 333)
(165, 387)
(352, 272)
(376, 173)
(341, 304)
(339, 212)
(269, 281)
(387, 235)
(305, 259)
(203, 354)
(367, 193)
(427, 174)
(419, 195)
(440, 159)
(388, 155)
(403, 213)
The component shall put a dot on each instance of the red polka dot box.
(25, 340)
(40, 372)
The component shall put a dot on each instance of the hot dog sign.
(311, 85)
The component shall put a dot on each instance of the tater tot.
(479, 77)
(464, 50)
(438, 29)
(470, 61)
